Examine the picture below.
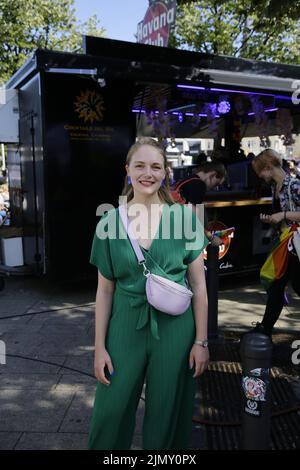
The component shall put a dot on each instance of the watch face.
(203, 343)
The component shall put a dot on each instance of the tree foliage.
(254, 29)
(26, 25)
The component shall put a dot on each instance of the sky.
(118, 17)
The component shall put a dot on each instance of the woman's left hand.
(272, 219)
(199, 358)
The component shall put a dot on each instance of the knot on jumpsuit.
(148, 314)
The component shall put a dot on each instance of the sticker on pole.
(254, 388)
(253, 408)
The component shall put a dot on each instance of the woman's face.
(146, 169)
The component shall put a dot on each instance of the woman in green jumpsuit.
(135, 343)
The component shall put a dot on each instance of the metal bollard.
(256, 353)
(212, 283)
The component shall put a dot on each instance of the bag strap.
(133, 241)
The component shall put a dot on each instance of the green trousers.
(163, 365)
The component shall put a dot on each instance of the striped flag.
(276, 264)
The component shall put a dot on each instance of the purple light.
(196, 114)
(251, 93)
(143, 111)
(266, 111)
(191, 87)
(224, 107)
(271, 109)
(175, 113)
(180, 117)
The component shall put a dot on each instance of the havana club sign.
(156, 25)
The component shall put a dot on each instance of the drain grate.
(218, 404)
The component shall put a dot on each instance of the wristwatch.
(203, 343)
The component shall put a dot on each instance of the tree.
(254, 29)
(26, 25)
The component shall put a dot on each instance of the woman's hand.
(217, 241)
(199, 358)
(102, 360)
(272, 219)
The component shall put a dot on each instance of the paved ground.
(47, 384)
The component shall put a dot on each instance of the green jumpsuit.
(145, 345)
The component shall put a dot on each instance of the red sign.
(155, 28)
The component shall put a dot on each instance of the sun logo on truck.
(89, 105)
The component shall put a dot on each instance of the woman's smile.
(146, 182)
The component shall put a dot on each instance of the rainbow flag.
(276, 264)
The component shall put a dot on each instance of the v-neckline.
(147, 250)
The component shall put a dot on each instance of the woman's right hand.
(102, 360)
(217, 241)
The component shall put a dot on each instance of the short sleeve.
(195, 239)
(101, 254)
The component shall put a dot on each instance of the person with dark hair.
(193, 189)
(206, 177)
(283, 264)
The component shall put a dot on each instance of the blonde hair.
(164, 191)
(268, 157)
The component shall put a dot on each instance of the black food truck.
(76, 115)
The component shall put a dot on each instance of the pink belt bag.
(164, 295)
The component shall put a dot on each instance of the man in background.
(193, 189)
